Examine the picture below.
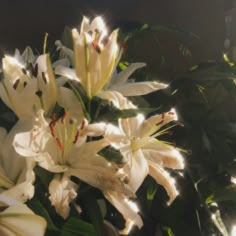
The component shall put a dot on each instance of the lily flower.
(137, 139)
(60, 147)
(16, 173)
(18, 219)
(95, 54)
(95, 59)
(27, 86)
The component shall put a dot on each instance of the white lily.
(60, 146)
(144, 153)
(27, 87)
(16, 173)
(95, 54)
(18, 220)
(95, 57)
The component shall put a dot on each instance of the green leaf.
(39, 209)
(44, 176)
(168, 231)
(113, 113)
(91, 209)
(77, 227)
(226, 194)
(112, 154)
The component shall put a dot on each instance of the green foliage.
(77, 227)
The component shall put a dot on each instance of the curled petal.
(62, 192)
(129, 212)
(164, 155)
(164, 179)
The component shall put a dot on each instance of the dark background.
(25, 22)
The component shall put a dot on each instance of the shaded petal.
(28, 55)
(66, 72)
(117, 99)
(70, 103)
(66, 51)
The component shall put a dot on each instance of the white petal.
(21, 192)
(117, 99)
(138, 88)
(70, 103)
(164, 155)
(80, 56)
(28, 55)
(163, 178)
(121, 203)
(108, 58)
(62, 192)
(123, 76)
(66, 72)
(20, 220)
(48, 88)
(154, 123)
(136, 168)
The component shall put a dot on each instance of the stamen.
(59, 144)
(76, 137)
(105, 40)
(24, 71)
(16, 83)
(72, 121)
(35, 74)
(96, 46)
(83, 124)
(34, 70)
(24, 84)
(160, 122)
(52, 128)
(90, 32)
(44, 78)
(64, 117)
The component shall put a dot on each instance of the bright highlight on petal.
(233, 180)
(233, 232)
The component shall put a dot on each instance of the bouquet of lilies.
(77, 125)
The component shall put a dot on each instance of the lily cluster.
(70, 144)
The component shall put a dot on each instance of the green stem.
(77, 94)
